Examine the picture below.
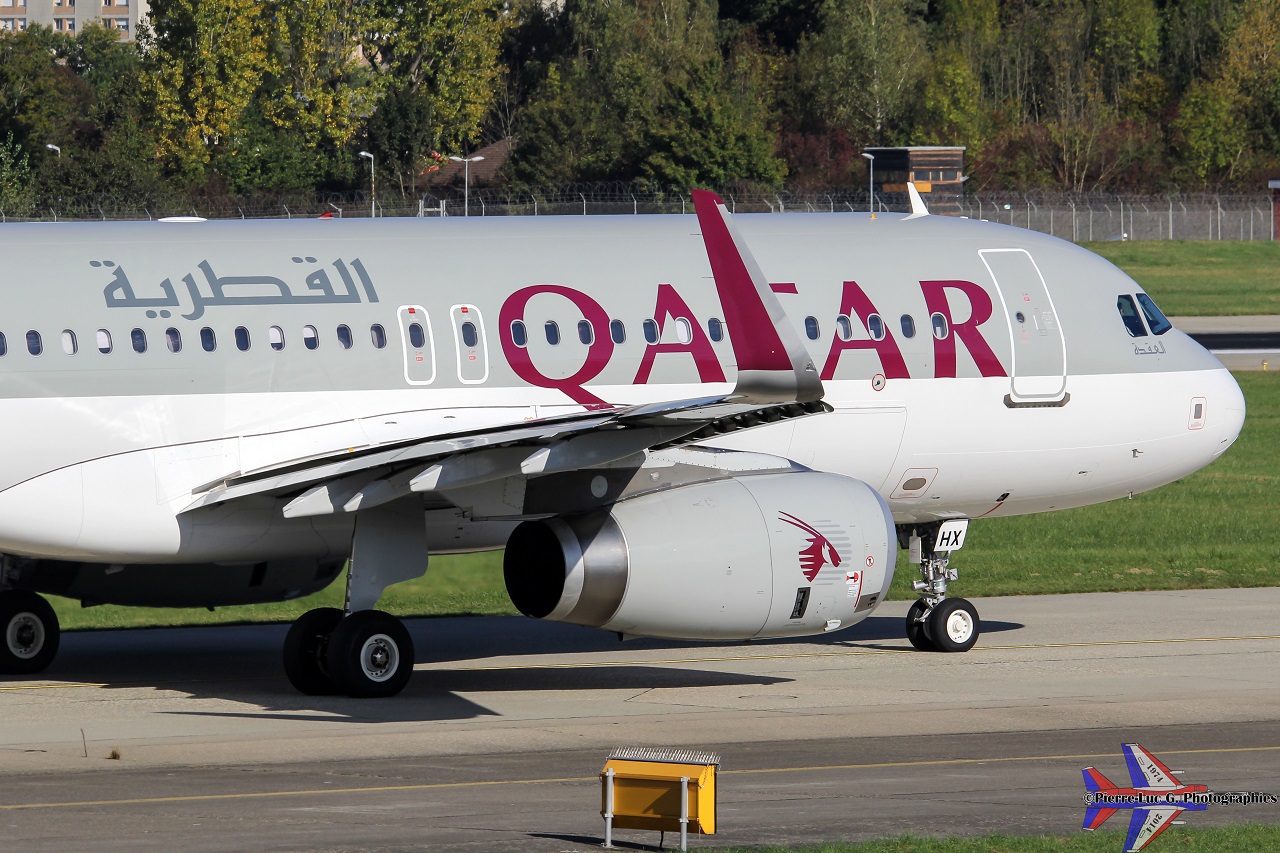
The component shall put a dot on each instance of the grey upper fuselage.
(618, 261)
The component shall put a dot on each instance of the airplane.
(1156, 797)
(710, 427)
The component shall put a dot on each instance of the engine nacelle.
(770, 555)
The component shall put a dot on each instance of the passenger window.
(275, 338)
(939, 324)
(715, 330)
(844, 328)
(208, 340)
(139, 339)
(875, 327)
(811, 328)
(104, 341)
(651, 331)
(242, 339)
(908, 326)
(4, 345)
(377, 334)
(1155, 317)
(553, 332)
(1129, 314)
(469, 336)
(586, 334)
(173, 340)
(617, 331)
(684, 330)
(310, 337)
(344, 337)
(519, 335)
(417, 338)
(35, 346)
(69, 345)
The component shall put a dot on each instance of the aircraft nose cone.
(1233, 407)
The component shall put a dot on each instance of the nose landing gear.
(935, 622)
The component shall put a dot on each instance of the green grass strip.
(1202, 278)
(1182, 839)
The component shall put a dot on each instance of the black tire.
(916, 633)
(954, 625)
(370, 655)
(29, 633)
(305, 647)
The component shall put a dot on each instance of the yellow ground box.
(641, 789)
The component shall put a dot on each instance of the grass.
(1194, 278)
(1179, 839)
(1214, 529)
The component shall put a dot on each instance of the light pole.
(53, 147)
(373, 187)
(871, 182)
(466, 180)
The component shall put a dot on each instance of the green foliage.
(643, 93)
(860, 71)
(15, 178)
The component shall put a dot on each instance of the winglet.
(917, 203)
(773, 364)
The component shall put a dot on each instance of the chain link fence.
(1079, 218)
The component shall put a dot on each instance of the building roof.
(484, 172)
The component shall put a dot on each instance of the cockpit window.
(1129, 313)
(1155, 317)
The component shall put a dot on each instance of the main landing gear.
(366, 655)
(936, 623)
(29, 633)
(359, 651)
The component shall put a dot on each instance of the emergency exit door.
(1039, 370)
(418, 345)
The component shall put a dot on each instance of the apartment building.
(72, 16)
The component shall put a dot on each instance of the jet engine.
(768, 555)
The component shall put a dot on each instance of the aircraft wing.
(1146, 824)
(1146, 771)
(776, 380)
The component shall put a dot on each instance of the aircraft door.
(473, 351)
(419, 345)
(1039, 349)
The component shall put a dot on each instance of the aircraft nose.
(1233, 409)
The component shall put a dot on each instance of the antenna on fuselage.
(917, 203)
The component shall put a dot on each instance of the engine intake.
(769, 555)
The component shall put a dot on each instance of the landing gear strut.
(935, 622)
(358, 651)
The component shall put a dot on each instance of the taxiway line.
(946, 762)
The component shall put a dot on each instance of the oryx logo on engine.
(818, 553)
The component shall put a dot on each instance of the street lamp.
(466, 180)
(53, 147)
(373, 187)
(871, 182)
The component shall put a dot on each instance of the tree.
(442, 56)
(204, 61)
(15, 178)
(862, 68)
(645, 94)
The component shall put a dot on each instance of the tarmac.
(498, 741)
(1242, 356)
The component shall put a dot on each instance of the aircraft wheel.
(916, 632)
(29, 633)
(954, 625)
(305, 648)
(370, 655)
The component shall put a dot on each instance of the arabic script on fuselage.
(208, 289)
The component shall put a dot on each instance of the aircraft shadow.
(242, 663)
